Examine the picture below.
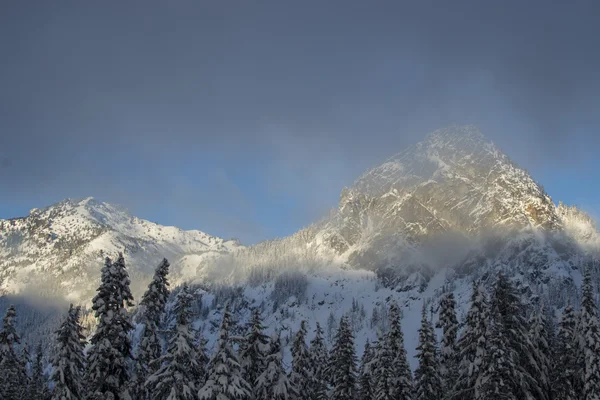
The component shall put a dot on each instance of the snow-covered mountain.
(59, 250)
(432, 218)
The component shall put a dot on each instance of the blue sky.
(246, 119)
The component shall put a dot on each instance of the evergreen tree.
(427, 376)
(510, 310)
(471, 347)
(319, 358)
(254, 350)
(38, 387)
(565, 363)
(68, 360)
(383, 371)
(342, 364)
(273, 383)
(497, 377)
(225, 380)
(152, 308)
(591, 340)
(13, 375)
(202, 358)
(401, 383)
(176, 378)
(540, 338)
(448, 353)
(365, 374)
(301, 375)
(110, 353)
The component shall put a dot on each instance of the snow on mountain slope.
(59, 250)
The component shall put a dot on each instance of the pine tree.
(255, 348)
(152, 308)
(176, 379)
(13, 376)
(273, 383)
(301, 375)
(202, 359)
(565, 363)
(509, 308)
(68, 360)
(471, 347)
(539, 338)
(365, 374)
(401, 383)
(342, 364)
(225, 380)
(110, 353)
(497, 378)
(427, 376)
(319, 358)
(591, 340)
(38, 387)
(383, 369)
(448, 352)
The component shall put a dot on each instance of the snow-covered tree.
(383, 369)
(68, 360)
(564, 375)
(510, 310)
(301, 375)
(202, 358)
(38, 385)
(110, 353)
(471, 347)
(176, 378)
(448, 354)
(497, 373)
(591, 340)
(254, 349)
(428, 383)
(539, 338)
(319, 357)
(401, 382)
(342, 364)
(225, 380)
(365, 374)
(13, 376)
(273, 383)
(151, 310)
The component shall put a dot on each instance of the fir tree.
(68, 360)
(342, 364)
(565, 362)
(152, 307)
(427, 376)
(383, 371)
(540, 338)
(448, 353)
(319, 359)
(254, 350)
(176, 378)
(365, 374)
(496, 380)
(591, 340)
(110, 353)
(273, 383)
(510, 310)
(471, 347)
(38, 387)
(202, 358)
(301, 375)
(225, 380)
(401, 384)
(13, 375)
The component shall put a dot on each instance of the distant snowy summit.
(452, 201)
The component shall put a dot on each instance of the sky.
(246, 118)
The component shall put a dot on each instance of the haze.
(246, 119)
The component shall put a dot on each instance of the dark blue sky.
(247, 118)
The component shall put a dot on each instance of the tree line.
(506, 350)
